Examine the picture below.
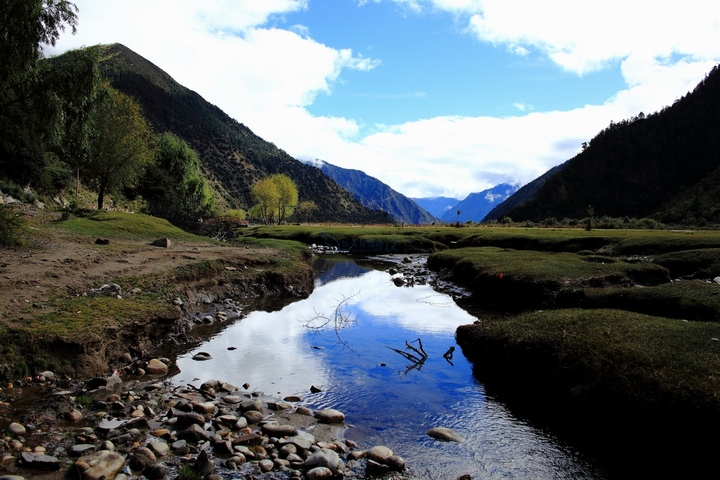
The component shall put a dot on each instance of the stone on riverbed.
(101, 465)
(156, 366)
(445, 434)
(325, 458)
(17, 429)
(39, 461)
(330, 415)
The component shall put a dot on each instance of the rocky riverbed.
(134, 423)
(109, 428)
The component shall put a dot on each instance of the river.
(345, 340)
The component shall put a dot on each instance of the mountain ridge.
(375, 194)
(663, 165)
(232, 156)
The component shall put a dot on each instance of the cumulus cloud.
(241, 56)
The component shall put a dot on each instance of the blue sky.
(433, 97)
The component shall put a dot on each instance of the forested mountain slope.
(376, 195)
(661, 165)
(231, 154)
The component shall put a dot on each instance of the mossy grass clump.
(696, 263)
(695, 300)
(519, 279)
(122, 225)
(603, 355)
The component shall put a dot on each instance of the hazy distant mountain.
(376, 195)
(665, 165)
(436, 206)
(477, 205)
(230, 153)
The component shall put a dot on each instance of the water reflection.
(360, 373)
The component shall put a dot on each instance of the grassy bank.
(67, 328)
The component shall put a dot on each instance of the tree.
(30, 102)
(306, 207)
(276, 195)
(174, 185)
(121, 144)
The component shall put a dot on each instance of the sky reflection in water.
(386, 401)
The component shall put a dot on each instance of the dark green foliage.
(647, 166)
(686, 300)
(703, 263)
(232, 155)
(11, 224)
(174, 185)
(32, 94)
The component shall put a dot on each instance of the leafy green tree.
(120, 144)
(287, 195)
(277, 197)
(30, 102)
(174, 185)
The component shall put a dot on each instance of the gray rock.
(184, 420)
(100, 466)
(379, 454)
(39, 461)
(141, 458)
(203, 465)
(155, 366)
(266, 465)
(325, 458)
(319, 473)
(156, 471)
(375, 469)
(274, 429)
(80, 450)
(11, 477)
(396, 463)
(193, 434)
(303, 440)
(253, 417)
(159, 448)
(251, 405)
(161, 242)
(445, 435)
(330, 415)
(17, 429)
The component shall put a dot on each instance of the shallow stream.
(344, 339)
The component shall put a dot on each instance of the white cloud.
(238, 56)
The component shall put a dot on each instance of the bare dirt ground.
(51, 265)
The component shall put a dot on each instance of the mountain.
(376, 195)
(436, 206)
(477, 205)
(232, 156)
(664, 165)
(522, 195)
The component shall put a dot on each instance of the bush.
(11, 224)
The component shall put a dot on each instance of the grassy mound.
(519, 279)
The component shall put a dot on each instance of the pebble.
(445, 434)
(17, 429)
(135, 437)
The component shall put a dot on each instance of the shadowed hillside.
(231, 154)
(376, 195)
(662, 165)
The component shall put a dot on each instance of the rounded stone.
(330, 415)
(155, 366)
(379, 454)
(17, 429)
(445, 434)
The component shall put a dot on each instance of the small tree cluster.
(276, 197)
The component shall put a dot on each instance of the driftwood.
(418, 359)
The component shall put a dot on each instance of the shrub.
(11, 224)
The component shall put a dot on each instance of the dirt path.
(28, 277)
